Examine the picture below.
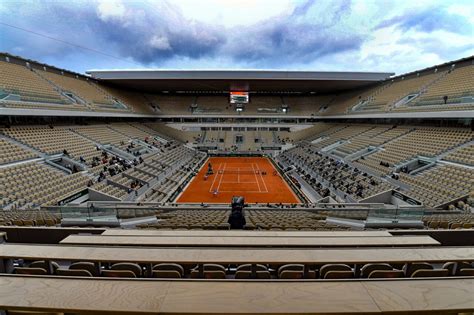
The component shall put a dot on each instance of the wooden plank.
(401, 297)
(239, 256)
(233, 233)
(81, 295)
(208, 241)
(235, 297)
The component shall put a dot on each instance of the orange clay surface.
(238, 176)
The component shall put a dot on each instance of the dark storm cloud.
(153, 34)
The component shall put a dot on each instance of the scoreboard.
(239, 97)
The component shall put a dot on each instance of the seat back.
(409, 269)
(214, 267)
(118, 274)
(333, 267)
(454, 267)
(166, 274)
(42, 264)
(84, 265)
(209, 274)
(367, 269)
(339, 274)
(30, 271)
(169, 267)
(73, 272)
(135, 268)
(421, 273)
(243, 274)
(386, 274)
(248, 267)
(291, 274)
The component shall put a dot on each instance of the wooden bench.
(55, 294)
(234, 233)
(262, 241)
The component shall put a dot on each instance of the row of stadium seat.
(216, 271)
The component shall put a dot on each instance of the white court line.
(258, 184)
(219, 185)
(266, 189)
(212, 185)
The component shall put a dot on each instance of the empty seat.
(421, 273)
(84, 265)
(30, 271)
(367, 269)
(42, 264)
(135, 268)
(339, 274)
(333, 267)
(118, 274)
(386, 274)
(209, 274)
(166, 274)
(242, 274)
(73, 272)
(294, 271)
(455, 267)
(169, 267)
(409, 269)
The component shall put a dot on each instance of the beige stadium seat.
(30, 271)
(73, 272)
(333, 267)
(118, 274)
(240, 274)
(424, 273)
(338, 274)
(135, 268)
(386, 274)
(166, 274)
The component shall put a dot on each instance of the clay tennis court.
(255, 178)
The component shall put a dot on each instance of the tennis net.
(239, 171)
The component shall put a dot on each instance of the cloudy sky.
(326, 35)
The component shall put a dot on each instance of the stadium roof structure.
(238, 80)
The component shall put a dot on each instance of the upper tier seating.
(396, 90)
(456, 84)
(21, 80)
(88, 91)
(172, 104)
